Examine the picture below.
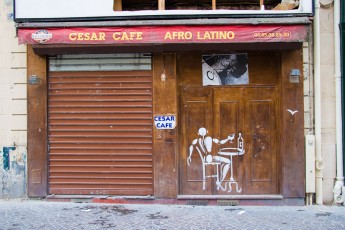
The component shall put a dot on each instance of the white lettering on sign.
(165, 121)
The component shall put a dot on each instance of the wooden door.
(247, 115)
(196, 108)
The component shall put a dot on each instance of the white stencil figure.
(203, 145)
(230, 152)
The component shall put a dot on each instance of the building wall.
(13, 110)
(328, 101)
(308, 88)
(13, 104)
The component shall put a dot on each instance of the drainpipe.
(317, 107)
(342, 26)
(338, 198)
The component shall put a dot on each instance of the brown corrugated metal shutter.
(100, 133)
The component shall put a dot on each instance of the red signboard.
(165, 34)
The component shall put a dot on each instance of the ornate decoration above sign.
(41, 36)
(166, 34)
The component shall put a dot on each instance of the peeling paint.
(13, 172)
(6, 157)
(10, 17)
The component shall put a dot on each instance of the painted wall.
(13, 110)
(328, 101)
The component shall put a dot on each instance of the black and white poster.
(225, 69)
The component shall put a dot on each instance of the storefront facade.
(170, 109)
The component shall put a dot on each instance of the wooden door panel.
(196, 110)
(227, 121)
(196, 116)
(229, 112)
(261, 125)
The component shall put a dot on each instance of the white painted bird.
(292, 112)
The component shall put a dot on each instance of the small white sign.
(165, 121)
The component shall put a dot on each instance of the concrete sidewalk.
(31, 214)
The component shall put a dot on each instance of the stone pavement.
(33, 214)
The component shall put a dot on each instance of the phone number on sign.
(272, 34)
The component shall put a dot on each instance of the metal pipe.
(338, 198)
(317, 106)
(342, 12)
